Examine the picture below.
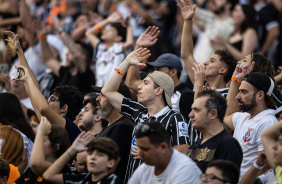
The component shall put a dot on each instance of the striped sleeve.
(132, 109)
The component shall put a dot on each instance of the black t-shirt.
(82, 81)
(72, 130)
(29, 177)
(221, 146)
(86, 178)
(121, 132)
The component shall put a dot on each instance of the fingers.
(10, 34)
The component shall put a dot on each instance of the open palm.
(137, 56)
(187, 9)
(149, 37)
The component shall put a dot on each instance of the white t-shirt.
(247, 132)
(180, 169)
(268, 177)
(27, 103)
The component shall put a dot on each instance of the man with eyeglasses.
(221, 171)
(162, 164)
(154, 103)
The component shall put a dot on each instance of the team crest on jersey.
(203, 155)
(247, 136)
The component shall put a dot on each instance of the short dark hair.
(4, 168)
(230, 171)
(71, 96)
(216, 101)
(87, 51)
(121, 30)
(230, 62)
(154, 131)
(58, 135)
(93, 102)
(104, 145)
(233, 4)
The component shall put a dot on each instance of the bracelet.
(118, 71)
(39, 37)
(235, 79)
(69, 154)
(98, 28)
(257, 166)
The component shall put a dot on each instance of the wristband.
(235, 79)
(118, 71)
(69, 154)
(257, 166)
(39, 37)
(98, 28)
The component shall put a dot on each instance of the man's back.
(180, 169)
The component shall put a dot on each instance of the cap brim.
(155, 63)
(96, 88)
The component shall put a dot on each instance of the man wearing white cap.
(154, 97)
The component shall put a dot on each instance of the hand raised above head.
(44, 126)
(149, 37)
(187, 9)
(15, 40)
(242, 70)
(135, 57)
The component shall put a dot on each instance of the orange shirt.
(14, 174)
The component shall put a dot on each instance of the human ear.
(64, 108)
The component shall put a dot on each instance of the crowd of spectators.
(140, 91)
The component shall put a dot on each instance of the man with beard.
(119, 128)
(254, 97)
(215, 22)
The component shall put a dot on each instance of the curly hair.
(230, 62)
(71, 96)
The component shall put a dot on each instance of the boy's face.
(98, 163)
(110, 34)
(277, 151)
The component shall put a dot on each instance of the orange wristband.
(235, 79)
(39, 37)
(98, 28)
(118, 71)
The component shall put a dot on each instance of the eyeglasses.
(52, 99)
(210, 177)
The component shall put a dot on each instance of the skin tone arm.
(146, 39)
(250, 41)
(278, 78)
(38, 162)
(272, 35)
(249, 175)
(39, 102)
(129, 36)
(232, 104)
(52, 174)
(10, 21)
(92, 34)
(110, 88)
(187, 11)
(269, 137)
(81, 66)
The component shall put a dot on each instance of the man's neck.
(217, 82)
(109, 44)
(113, 117)
(256, 110)
(154, 108)
(162, 164)
(97, 128)
(176, 81)
(214, 129)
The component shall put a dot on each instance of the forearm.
(10, 21)
(46, 53)
(58, 165)
(232, 102)
(272, 35)
(238, 55)
(69, 43)
(199, 87)
(129, 38)
(187, 48)
(278, 78)
(79, 32)
(250, 176)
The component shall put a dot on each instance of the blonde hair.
(12, 145)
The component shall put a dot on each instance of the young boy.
(101, 157)
(116, 40)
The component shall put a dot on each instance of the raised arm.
(129, 41)
(39, 102)
(92, 34)
(146, 39)
(52, 174)
(17, 46)
(269, 138)
(111, 86)
(232, 104)
(187, 11)
(38, 162)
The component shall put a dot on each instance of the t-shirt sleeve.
(131, 109)
(259, 131)
(235, 119)
(230, 150)
(178, 130)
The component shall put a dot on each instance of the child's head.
(4, 171)
(277, 150)
(116, 32)
(102, 154)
